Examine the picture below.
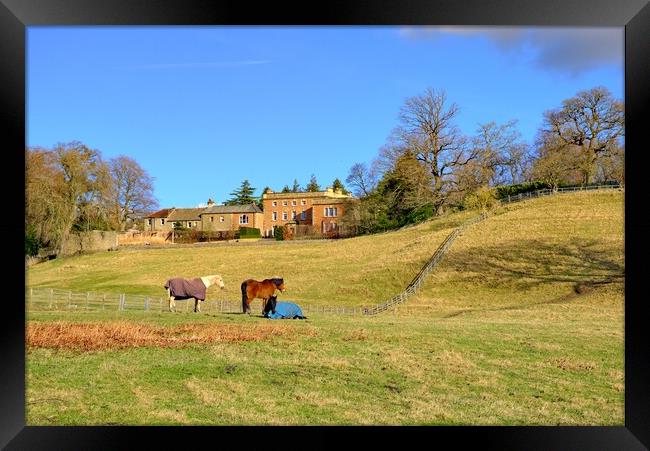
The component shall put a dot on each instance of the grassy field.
(522, 323)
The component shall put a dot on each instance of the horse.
(252, 289)
(179, 288)
(285, 310)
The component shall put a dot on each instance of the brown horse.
(252, 289)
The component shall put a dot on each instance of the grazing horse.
(252, 289)
(282, 310)
(179, 288)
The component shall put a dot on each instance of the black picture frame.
(634, 15)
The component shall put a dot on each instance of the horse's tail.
(244, 296)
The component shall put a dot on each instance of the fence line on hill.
(54, 299)
(417, 282)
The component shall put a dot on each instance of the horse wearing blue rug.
(282, 310)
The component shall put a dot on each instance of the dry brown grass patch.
(127, 334)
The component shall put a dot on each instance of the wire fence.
(59, 300)
(54, 299)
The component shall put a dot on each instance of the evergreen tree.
(259, 202)
(337, 184)
(296, 186)
(243, 195)
(286, 189)
(312, 187)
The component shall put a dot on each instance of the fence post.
(51, 296)
(103, 301)
(31, 296)
(146, 303)
(87, 299)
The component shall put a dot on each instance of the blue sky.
(202, 108)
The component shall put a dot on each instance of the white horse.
(179, 288)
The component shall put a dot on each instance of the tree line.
(427, 166)
(71, 188)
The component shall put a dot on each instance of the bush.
(249, 232)
(484, 198)
(32, 243)
(512, 190)
(278, 233)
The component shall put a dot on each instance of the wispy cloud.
(213, 64)
(570, 50)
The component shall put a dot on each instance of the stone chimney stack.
(210, 202)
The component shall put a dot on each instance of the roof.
(160, 213)
(221, 209)
(185, 214)
(302, 195)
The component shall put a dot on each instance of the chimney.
(329, 189)
(210, 202)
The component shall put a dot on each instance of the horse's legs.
(264, 301)
(172, 304)
(197, 305)
(170, 299)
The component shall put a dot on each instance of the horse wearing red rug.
(252, 289)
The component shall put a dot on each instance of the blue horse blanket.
(286, 310)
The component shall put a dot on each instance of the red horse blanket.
(184, 289)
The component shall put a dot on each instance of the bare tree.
(592, 121)
(361, 179)
(131, 190)
(427, 130)
(500, 151)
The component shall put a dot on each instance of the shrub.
(484, 198)
(512, 190)
(32, 243)
(278, 233)
(250, 232)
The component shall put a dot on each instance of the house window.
(329, 227)
(221, 219)
(293, 214)
(211, 218)
(148, 221)
(243, 219)
(162, 221)
(284, 215)
(331, 211)
(293, 203)
(284, 202)
(303, 202)
(274, 216)
(274, 203)
(189, 224)
(303, 215)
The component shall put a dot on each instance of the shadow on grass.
(522, 266)
(526, 264)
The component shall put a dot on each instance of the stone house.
(158, 221)
(219, 218)
(187, 217)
